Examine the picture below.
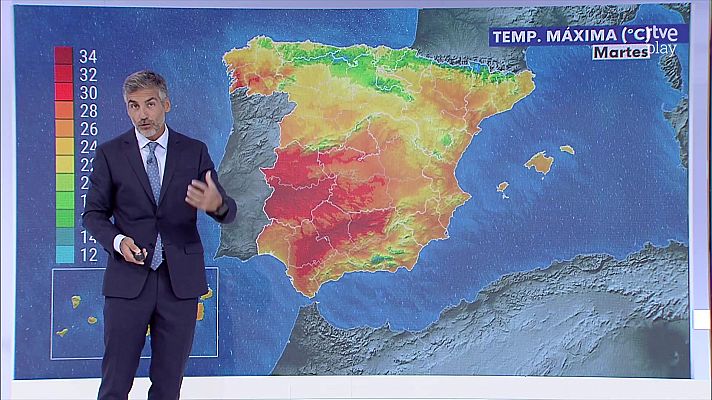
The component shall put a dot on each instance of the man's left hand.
(204, 196)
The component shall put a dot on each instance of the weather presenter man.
(146, 187)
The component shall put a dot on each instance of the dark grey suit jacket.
(120, 190)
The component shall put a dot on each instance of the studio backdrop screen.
(465, 190)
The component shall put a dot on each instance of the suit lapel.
(172, 159)
(130, 147)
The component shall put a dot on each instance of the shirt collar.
(162, 140)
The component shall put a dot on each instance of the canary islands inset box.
(77, 326)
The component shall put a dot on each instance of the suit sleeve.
(206, 164)
(99, 203)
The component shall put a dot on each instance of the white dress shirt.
(160, 152)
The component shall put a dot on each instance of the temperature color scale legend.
(64, 154)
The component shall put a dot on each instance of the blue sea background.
(625, 185)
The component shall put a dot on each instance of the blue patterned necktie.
(154, 177)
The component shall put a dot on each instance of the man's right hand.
(129, 248)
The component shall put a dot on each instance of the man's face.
(148, 112)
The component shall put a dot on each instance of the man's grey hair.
(145, 80)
